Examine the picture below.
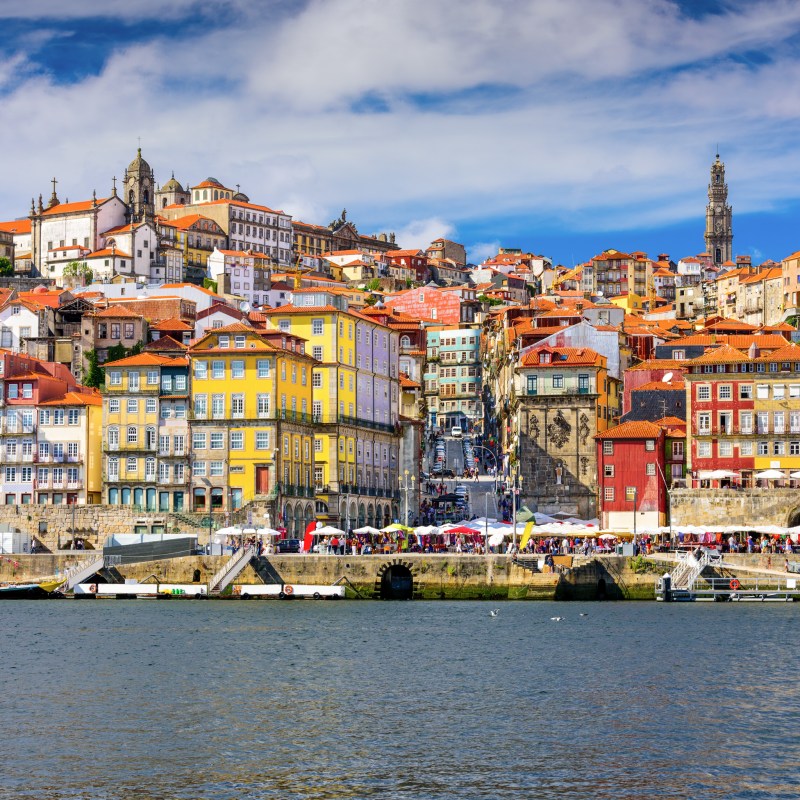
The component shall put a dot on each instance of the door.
(262, 480)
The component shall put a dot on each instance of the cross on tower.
(54, 182)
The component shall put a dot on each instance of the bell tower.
(719, 222)
(139, 187)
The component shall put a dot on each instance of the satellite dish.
(244, 307)
(667, 377)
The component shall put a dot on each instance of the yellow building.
(251, 429)
(355, 408)
(145, 432)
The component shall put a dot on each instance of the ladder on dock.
(232, 568)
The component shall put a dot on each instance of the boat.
(29, 591)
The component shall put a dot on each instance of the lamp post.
(407, 487)
(486, 523)
(514, 503)
(635, 497)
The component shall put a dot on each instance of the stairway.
(80, 572)
(232, 568)
(689, 569)
(530, 563)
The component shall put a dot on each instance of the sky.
(562, 127)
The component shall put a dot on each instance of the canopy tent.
(770, 475)
(395, 526)
(367, 530)
(716, 474)
(327, 530)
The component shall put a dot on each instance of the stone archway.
(395, 581)
(794, 518)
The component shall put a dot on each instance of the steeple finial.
(114, 186)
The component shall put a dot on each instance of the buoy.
(93, 588)
(288, 590)
(734, 584)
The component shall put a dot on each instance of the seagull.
(583, 615)
(494, 613)
(556, 619)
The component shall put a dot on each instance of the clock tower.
(719, 224)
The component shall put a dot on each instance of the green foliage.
(6, 267)
(93, 376)
(373, 285)
(210, 285)
(117, 352)
(80, 271)
(371, 300)
(640, 565)
(492, 301)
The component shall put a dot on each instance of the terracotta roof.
(407, 383)
(75, 399)
(189, 220)
(127, 228)
(661, 363)
(165, 344)
(107, 252)
(172, 324)
(118, 312)
(789, 353)
(725, 354)
(71, 208)
(659, 386)
(16, 226)
(638, 429)
(145, 360)
(562, 356)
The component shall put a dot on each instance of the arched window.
(130, 197)
(216, 194)
(405, 341)
(146, 196)
(205, 194)
(133, 434)
(164, 203)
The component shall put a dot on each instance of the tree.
(6, 267)
(116, 352)
(80, 271)
(93, 376)
(373, 285)
(210, 285)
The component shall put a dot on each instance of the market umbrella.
(795, 474)
(328, 530)
(267, 532)
(462, 529)
(496, 539)
(395, 526)
(367, 529)
(770, 475)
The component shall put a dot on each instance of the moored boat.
(11, 591)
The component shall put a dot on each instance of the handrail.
(239, 559)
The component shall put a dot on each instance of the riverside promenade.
(420, 576)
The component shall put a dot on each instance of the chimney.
(753, 351)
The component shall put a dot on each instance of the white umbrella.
(496, 539)
(367, 529)
(328, 530)
(770, 475)
(606, 536)
(267, 532)
(795, 474)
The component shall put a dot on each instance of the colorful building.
(355, 408)
(251, 427)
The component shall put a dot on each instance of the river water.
(190, 699)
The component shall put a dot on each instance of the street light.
(514, 504)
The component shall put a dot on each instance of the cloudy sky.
(559, 126)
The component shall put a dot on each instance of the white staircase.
(690, 567)
(80, 572)
(235, 564)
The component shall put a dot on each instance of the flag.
(526, 535)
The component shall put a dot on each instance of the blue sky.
(559, 126)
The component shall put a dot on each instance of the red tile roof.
(145, 360)
(639, 429)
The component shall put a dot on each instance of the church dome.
(172, 186)
(212, 181)
(139, 164)
(241, 197)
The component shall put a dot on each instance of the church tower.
(138, 190)
(719, 223)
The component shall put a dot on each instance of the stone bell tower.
(719, 223)
(138, 190)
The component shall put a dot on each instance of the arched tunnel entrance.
(794, 518)
(397, 583)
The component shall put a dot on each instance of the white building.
(19, 320)
(140, 241)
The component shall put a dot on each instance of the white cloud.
(597, 133)
(478, 253)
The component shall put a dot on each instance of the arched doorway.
(397, 583)
(794, 518)
(298, 522)
(362, 516)
(370, 516)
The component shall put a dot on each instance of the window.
(73, 416)
(200, 370)
(133, 406)
(316, 380)
(779, 448)
(216, 469)
(746, 391)
(725, 449)
(237, 369)
(199, 469)
(317, 327)
(763, 448)
(217, 406)
(704, 392)
(608, 470)
(217, 440)
(262, 440)
(263, 367)
(152, 377)
(779, 422)
(779, 391)
(650, 445)
(704, 449)
(131, 464)
(608, 493)
(746, 449)
(533, 384)
(151, 405)
(558, 381)
(133, 381)
(115, 378)
(237, 406)
(198, 441)
(762, 390)
(704, 423)
(677, 449)
(725, 392)
(132, 435)
(762, 421)
(218, 370)
(746, 421)
(794, 448)
(237, 440)
(285, 325)
(200, 406)
(262, 406)
(608, 448)
(224, 342)
(650, 469)
(239, 342)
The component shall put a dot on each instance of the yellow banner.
(526, 534)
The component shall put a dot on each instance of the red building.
(631, 470)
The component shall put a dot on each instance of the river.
(189, 699)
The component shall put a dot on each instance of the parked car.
(456, 431)
(288, 546)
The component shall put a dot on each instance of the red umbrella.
(461, 529)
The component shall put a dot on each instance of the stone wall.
(735, 507)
